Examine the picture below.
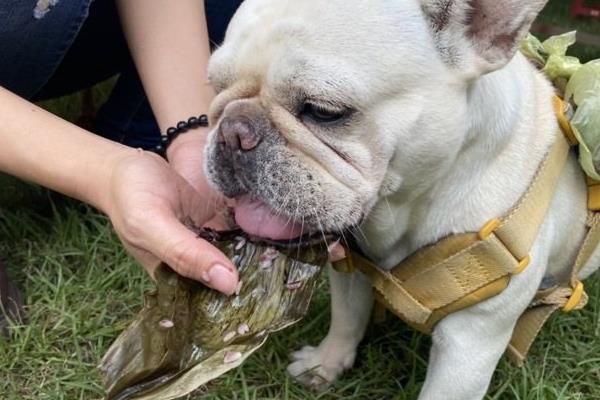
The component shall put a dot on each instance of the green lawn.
(81, 289)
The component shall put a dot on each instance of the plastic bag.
(581, 84)
(533, 49)
(585, 83)
(586, 126)
(558, 45)
(551, 57)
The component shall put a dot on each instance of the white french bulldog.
(405, 121)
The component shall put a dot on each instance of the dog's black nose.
(238, 133)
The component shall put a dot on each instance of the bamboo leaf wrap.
(187, 334)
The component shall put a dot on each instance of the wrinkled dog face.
(326, 107)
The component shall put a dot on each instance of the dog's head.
(323, 108)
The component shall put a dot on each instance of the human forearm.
(169, 43)
(40, 147)
(144, 198)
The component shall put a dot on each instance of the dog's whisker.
(301, 231)
(356, 229)
(320, 226)
(284, 203)
(280, 211)
(291, 217)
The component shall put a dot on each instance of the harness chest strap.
(465, 269)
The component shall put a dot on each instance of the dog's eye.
(320, 114)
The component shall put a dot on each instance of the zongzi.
(187, 334)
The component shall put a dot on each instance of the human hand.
(185, 155)
(147, 202)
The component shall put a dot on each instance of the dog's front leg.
(467, 345)
(462, 361)
(351, 303)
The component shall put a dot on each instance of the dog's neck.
(511, 128)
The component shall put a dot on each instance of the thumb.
(189, 255)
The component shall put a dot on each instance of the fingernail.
(220, 278)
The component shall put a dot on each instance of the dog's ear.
(480, 36)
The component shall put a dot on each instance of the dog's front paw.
(318, 367)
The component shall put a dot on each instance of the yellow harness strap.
(465, 269)
(568, 297)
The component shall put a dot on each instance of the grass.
(81, 289)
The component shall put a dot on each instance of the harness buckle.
(575, 298)
(524, 263)
(488, 228)
(563, 121)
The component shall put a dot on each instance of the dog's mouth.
(256, 218)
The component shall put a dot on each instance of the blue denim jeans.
(49, 48)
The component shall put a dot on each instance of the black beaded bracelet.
(174, 131)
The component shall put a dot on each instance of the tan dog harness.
(462, 270)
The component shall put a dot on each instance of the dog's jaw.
(281, 192)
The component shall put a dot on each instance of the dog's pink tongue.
(256, 218)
